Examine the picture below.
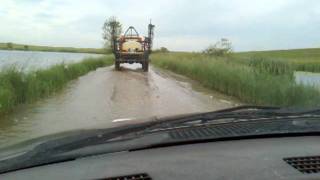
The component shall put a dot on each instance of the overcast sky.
(180, 24)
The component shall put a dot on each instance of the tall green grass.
(300, 59)
(271, 66)
(239, 80)
(308, 67)
(17, 87)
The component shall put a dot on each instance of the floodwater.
(308, 78)
(98, 98)
(34, 60)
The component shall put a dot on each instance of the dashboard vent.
(211, 131)
(306, 165)
(142, 176)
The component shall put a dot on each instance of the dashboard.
(269, 158)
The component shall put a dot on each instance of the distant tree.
(111, 26)
(9, 45)
(26, 47)
(220, 48)
(164, 50)
(161, 50)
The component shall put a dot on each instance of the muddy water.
(104, 95)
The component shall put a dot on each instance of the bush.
(10, 45)
(221, 48)
(161, 50)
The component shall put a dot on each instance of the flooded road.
(99, 97)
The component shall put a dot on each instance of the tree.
(164, 50)
(161, 50)
(26, 47)
(112, 29)
(220, 48)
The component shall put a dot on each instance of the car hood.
(116, 124)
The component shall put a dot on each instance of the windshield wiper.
(242, 113)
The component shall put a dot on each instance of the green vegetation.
(274, 67)
(161, 50)
(23, 47)
(299, 59)
(112, 28)
(220, 48)
(259, 82)
(17, 87)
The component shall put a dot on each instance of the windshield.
(75, 65)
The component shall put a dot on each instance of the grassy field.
(22, 47)
(17, 87)
(253, 81)
(299, 59)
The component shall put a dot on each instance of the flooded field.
(100, 97)
(308, 78)
(35, 60)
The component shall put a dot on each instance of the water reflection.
(308, 78)
(35, 60)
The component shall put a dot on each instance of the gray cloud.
(180, 25)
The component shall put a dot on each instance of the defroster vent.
(306, 165)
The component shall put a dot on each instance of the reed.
(240, 80)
